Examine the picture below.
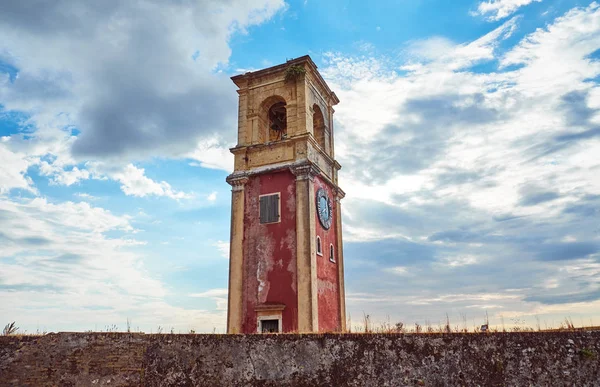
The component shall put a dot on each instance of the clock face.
(324, 210)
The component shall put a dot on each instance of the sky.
(468, 133)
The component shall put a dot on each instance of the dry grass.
(10, 329)
(369, 327)
(446, 327)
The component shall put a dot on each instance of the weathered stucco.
(327, 271)
(235, 290)
(306, 250)
(270, 251)
(121, 359)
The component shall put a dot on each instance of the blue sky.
(467, 131)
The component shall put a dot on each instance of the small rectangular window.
(319, 247)
(269, 208)
(269, 326)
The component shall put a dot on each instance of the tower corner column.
(306, 258)
(339, 195)
(236, 255)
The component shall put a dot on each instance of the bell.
(277, 124)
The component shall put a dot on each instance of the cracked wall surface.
(327, 271)
(133, 359)
(269, 275)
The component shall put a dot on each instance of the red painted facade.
(327, 271)
(270, 251)
(270, 256)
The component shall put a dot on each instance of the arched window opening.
(272, 120)
(277, 122)
(319, 248)
(319, 126)
(331, 256)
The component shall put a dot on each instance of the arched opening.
(319, 248)
(277, 122)
(331, 254)
(272, 120)
(319, 126)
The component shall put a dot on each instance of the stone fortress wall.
(135, 359)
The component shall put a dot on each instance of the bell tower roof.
(242, 80)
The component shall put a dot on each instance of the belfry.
(286, 267)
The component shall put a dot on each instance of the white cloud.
(441, 54)
(47, 149)
(349, 69)
(13, 171)
(483, 144)
(211, 293)
(218, 295)
(399, 270)
(212, 197)
(39, 211)
(135, 183)
(462, 260)
(48, 238)
(95, 69)
(223, 248)
(85, 196)
(70, 275)
(103, 88)
(62, 176)
(555, 58)
(495, 10)
(472, 180)
(211, 154)
(430, 49)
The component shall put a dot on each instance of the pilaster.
(236, 255)
(306, 257)
(339, 195)
(242, 112)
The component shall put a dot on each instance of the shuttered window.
(269, 208)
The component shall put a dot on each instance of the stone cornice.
(237, 182)
(302, 169)
(240, 149)
(269, 307)
(305, 171)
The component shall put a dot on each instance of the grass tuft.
(10, 329)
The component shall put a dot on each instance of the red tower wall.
(327, 271)
(270, 251)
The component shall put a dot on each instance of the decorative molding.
(269, 307)
(339, 194)
(237, 182)
(305, 171)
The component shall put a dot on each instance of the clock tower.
(286, 271)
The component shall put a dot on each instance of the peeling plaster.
(270, 250)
